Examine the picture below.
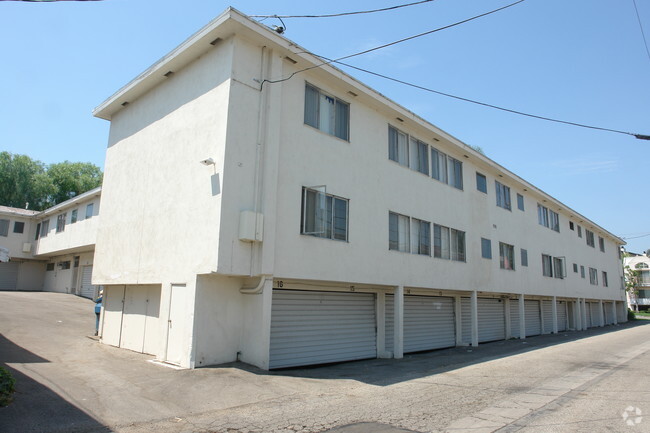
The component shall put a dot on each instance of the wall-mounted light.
(208, 161)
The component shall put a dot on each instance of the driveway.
(68, 382)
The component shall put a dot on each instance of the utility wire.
(635, 237)
(638, 17)
(388, 44)
(521, 113)
(343, 13)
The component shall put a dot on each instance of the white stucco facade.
(216, 246)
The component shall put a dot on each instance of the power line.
(344, 13)
(638, 17)
(635, 237)
(388, 44)
(496, 107)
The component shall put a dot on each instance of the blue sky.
(580, 60)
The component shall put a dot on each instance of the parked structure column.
(614, 313)
(398, 325)
(506, 306)
(474, 305)
(381, 325)
(583, 309)
(459, 320)
(554, 310)
(577, 315)
(542, 320)
(522, 318)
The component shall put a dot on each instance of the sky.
(582, 61)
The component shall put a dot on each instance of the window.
(446, 169)
(448, 243)
(503, 195)
(327, 113)
(398, 232)
(524, 257)
(590, 238)
(520, 202)
(558, 267)
(419, 153)
(45, 227)
(575, 268)
(60, 222)
(324, 215)
(579, 231)
(89, 210)
(554, 220)
(64, 265)
(571, 225)
(547, 265)
(642, 266)
(542, 215)
(582, 271)
(548, 218)
(19, 227)
(76, 261)
(4, 227)
(486, 248)
(73, 216)
(601, 244)
(398, 146)
(420, 237)
(38, 231)
(506, 256)
(481, 182)
(605, 283)
(49, 267)
(593, 277)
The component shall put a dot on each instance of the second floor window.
(448, 243)
(327, 113)
(4, 227)
(89, 210)
(506, 256)
(60, 222)
(324, 215)
(45, 227)
(73, 216)
(593, 277)
(503, 195)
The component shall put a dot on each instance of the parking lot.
(68, 382)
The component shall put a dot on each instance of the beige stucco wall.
(14, 241)
(160, 216)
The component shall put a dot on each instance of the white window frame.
(591, 240)
(327, 122)
(403, 231)
(593, 276)
(325, 215)
(547, 265)
(506, 256)
(503, 195)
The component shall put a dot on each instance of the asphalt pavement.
(591, 381)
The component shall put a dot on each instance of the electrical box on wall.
(251, 226)
(27, 247)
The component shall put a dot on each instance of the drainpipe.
(257, 289)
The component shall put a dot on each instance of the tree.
(27, 183)
(631, 284)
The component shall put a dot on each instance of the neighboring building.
(639, 298)
(259, 205)
(52, 250)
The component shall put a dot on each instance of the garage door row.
(320, 327)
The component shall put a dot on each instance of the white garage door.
(140, 325)
(561, 316)
(621, 312)
(547, 310)
(491, 320)
(87, 288)
(320, 327)
(428, 323)
(9, 275)
(594, 313)
(533, 317)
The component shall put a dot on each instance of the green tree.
(25, 182)
(72, 178)
(631, 283)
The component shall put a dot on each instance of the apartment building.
(51, 250)
(260, 206)
(639, 297)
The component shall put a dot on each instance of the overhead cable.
(638, 17)
(496, 107)
(389, 44)
(344, 13)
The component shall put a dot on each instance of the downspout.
(257, 289)
(259, 154)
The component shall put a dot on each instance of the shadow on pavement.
(35, 407)
(385, 372)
